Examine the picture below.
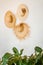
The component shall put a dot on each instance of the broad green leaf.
(15, 50)
(38, 49)
(21, 51)
(31, 60)
(38, 58)
(11, 61)
(5, 58)
(20, 62)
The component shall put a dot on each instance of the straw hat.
(10, 19)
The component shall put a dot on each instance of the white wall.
(35, 20)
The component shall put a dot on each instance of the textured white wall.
(35, 20)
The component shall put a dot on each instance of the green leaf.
(21, 51)
(5, 58)
(24, 60)
(16, 52)
(11, 61)
(42, 58)
(31, 60)
(38, 58)
(0, 61)
(20, 62)
(16, 58)
(38, 49)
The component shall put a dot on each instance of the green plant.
(18, 59)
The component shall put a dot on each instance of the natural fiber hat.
(22, 12)
(10, 19)
(21, 30)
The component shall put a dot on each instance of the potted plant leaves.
(17, 59)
